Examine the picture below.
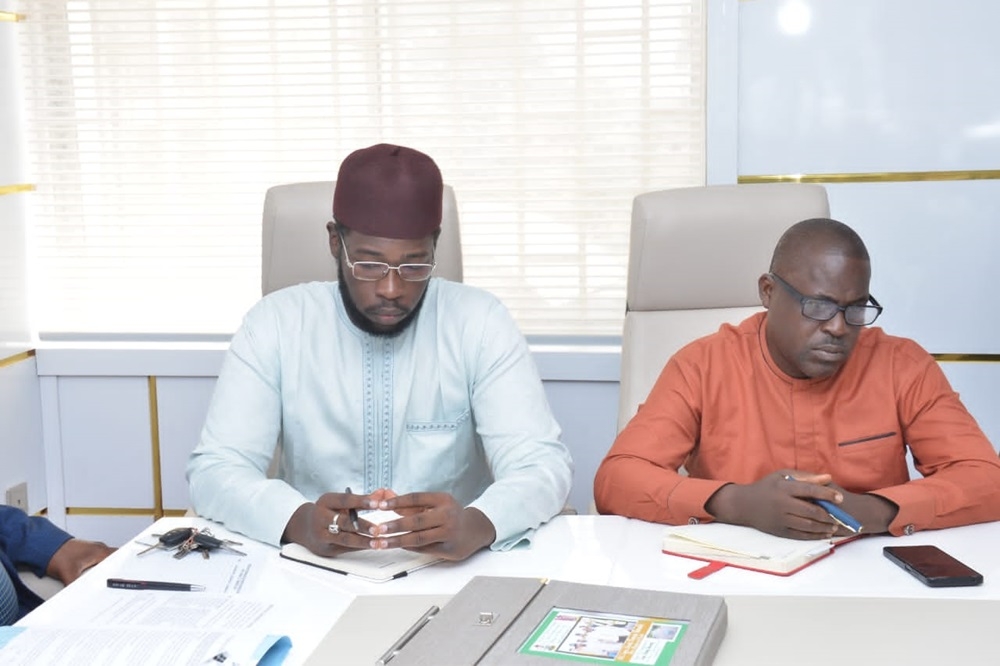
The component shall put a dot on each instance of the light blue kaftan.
(452, 404)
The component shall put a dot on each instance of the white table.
(591, 549)
(855, 569)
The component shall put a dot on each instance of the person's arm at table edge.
(29, 541)
(639, 476)
(960, 467)
(532, 468)
(227, 471)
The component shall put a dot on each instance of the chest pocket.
(873, 461)
(436, 452)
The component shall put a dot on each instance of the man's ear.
(331, 229)
(765, 287)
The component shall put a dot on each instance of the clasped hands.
(428, 522)
(782, 506)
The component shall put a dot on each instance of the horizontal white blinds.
(155, 126)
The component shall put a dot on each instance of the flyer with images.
(605, 638)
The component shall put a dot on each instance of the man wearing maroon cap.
(417, 392)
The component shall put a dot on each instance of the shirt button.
(909, 529)
(693, 521)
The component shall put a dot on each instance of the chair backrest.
(295, 242)
(695, 255)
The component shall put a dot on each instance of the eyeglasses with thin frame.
(822, 309)
(373, 271)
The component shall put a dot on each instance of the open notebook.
(745, 547)
(377, 566)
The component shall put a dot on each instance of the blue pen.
(842, 518)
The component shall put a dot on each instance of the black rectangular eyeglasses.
(823, 309)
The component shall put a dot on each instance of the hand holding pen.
(781, 503)
(841, 517)
(331, 525)
(352, 513)
(345, 513)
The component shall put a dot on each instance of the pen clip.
(844, 525)
(834, 512)
(407, 636)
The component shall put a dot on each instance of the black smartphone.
(932, 566)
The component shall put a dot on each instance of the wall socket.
(18, 496)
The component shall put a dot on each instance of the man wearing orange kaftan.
(800, 402)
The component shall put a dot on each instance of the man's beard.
(359, 319)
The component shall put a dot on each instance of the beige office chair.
(694, 258)
(295, 243)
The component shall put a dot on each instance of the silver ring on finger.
(334, 527)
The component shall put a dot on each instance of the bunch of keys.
(189, 539)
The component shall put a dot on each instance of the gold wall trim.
(154, 438)
(106, 511)
(10, 17)
(16, 358)
(874, 177)
(967, 358)
(16, 188)
(118, 511)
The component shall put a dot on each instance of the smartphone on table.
(932, 566)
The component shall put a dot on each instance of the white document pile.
(125, 627)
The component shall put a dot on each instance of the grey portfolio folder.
(506, 620)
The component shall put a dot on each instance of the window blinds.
(155, 127)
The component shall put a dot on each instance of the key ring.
(334, 528)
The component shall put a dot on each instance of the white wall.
(889, 86)
(21, 457)
(13, 272)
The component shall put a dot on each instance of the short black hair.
(816, 231)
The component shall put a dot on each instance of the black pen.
(125, 584)
(352, 513)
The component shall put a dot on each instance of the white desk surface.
(856, 569)
(592, 549)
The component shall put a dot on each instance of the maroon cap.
(389, 191)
